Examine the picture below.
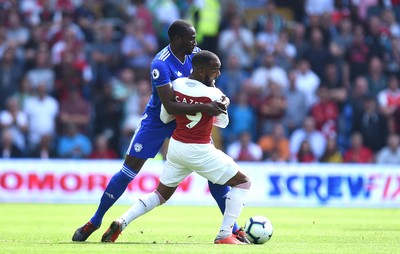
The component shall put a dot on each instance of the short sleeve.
(160, 73)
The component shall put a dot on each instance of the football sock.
(143, 205)
(219, 193)
(234, 205)
(117, 185)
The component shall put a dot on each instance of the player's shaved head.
(203, 59)
(179, 28)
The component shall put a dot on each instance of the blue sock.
(219, 194)
(117, 185)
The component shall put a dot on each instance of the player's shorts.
(149, 137)
(204, 159)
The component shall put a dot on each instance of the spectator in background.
(242, 118)
(72, 72)
(206, 18)
(308, 132)
(298, 39)
(344, 38)
(269, 17)
(45, 149)
(73, 144)
(42, 70)
(392, 63)
(17, 34)
(318, 7)
(376, 37)
(261, 76)
(377, 80)
(389, 20)
(307, 81)
(42, 110)
(85, 18)
(11, 73)
(266, 39)
(358, 153)
(357, 56)
(296, 108)
(275, 146)
(271, 107)
(317, 54)
(390, 154)
(332, 153)
(138, 9)
(244, 149)
(229, 8)
(8, 148)
(74, 109)
(232, 78)
(237, 39)
(67, 42)
(389, 101)
(285, 51)
(354, 105)
(371, 124)
(325, 112)
(24, 92)
(104, 55)
(36, 42)
(333, 81)
(64, 22)
(362, 8)
(108, 116)
(137, 46)
(133, 108)
(102, 150)
(305, 154)
(164, 13)
(16, 121)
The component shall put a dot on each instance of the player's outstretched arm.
(166, 94)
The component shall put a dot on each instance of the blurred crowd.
(308, 80)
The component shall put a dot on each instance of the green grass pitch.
(42, 228)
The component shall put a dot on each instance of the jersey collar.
(169, 48)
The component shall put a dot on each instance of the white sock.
(235, 200)
(143, 205)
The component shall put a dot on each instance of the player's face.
(189, 41)
(212, 73)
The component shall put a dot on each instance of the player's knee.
(134, 162)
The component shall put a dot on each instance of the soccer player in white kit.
(191, 149)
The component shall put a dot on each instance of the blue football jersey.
(152, 132)
(165, 68)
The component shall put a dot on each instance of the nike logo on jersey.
(178, 73)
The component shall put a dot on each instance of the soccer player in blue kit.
(172, 62)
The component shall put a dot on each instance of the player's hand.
(215, 108)
(225, 100)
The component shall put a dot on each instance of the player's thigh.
(214, 164)
(149, 138)
(173, 173)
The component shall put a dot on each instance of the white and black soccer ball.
(258, 229)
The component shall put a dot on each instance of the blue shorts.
(149, 137)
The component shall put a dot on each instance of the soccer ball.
(258, 229)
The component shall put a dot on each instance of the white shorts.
(204, 159)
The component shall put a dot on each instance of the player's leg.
(235, 200)
(171, 176)
(219, 192)
(115, 188)
(220, 169)
(142, 206)
(145, 143)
